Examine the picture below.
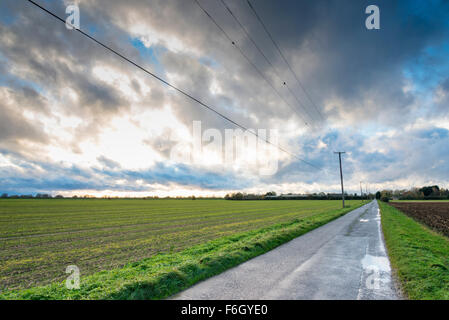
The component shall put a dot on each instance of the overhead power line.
(248, 35)
(283, 57)
(173, 86)
(249, 60)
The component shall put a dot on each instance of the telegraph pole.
(341, 178)
(361, 191)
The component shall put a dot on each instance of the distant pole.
(366, 191)
(341, 178)
(361, 191)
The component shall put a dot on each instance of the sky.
(76, 119)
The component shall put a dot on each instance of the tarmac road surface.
(344, 259)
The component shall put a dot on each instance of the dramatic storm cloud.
(77, 119)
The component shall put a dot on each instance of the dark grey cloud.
(441, 95)
(41, 50)
(109, 163)
(13, 125)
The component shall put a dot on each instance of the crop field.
(40, 238)
(433, 214)
(422, 201)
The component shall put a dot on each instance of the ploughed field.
(40, 238)
(433, 214)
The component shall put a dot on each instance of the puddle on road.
(370, 262)
(375, 279)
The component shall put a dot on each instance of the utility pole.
(361, 191)
(341, 178)
(366, 191)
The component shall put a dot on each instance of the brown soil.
(433, 214)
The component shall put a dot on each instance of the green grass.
(164, 274)
(419, 255)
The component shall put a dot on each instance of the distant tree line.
(424, 193)
(49, 196)
(30, 196)
(313, 196)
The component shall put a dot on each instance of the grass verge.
(419, 255)
(163, 275)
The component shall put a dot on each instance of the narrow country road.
(344, 259)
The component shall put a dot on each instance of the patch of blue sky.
(209, 62)
(374, 161)
(422, 76)
(433, 134)
(180, 174)
(6, 16)
(150, 55)
(428, 10)
(3, 59)
(371, 129)
(92, 29)
(330, 136)
(335, 138)
(429, 16)
(12, 81)
(427, 71)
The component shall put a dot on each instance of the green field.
(419, 255)
(39, 238)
